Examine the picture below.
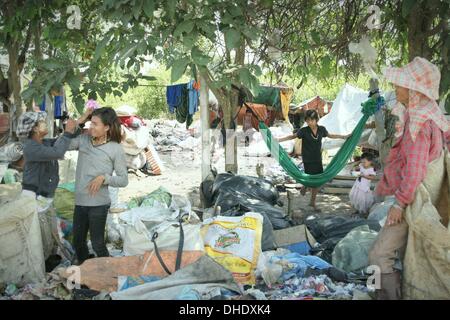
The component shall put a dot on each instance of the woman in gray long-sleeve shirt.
(100, 154)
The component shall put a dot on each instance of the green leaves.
(100, 47)
(149, 78)
(136, 9)
(199, 58)
(315, 36)
(184, 27)
(149, 8)
(28, 94)
(248, 80)
(235, 11)
(51, 64)
(251, 33)
(267, 3)
(179, 68)
(232, 38)
(326, 67)
(189, 41)
(79, 103)
(74, 81)
(170, 7)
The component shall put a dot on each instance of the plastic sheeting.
(243, 194)
(344, 115)
(155, 216)
(102, 274)
(329, 230)
(351, 254)
(203, 276)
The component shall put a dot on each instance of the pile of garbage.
(161, 249)
(170, 135)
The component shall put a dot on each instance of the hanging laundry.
(182, 111)
(183, 101)
(42, 105)
(174, 95)
(286, 98)
(194, 95)
(59, 106)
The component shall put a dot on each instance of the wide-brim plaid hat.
(422, 78)
(27, 121)
(419, 75)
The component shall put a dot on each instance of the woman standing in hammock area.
(311, 137)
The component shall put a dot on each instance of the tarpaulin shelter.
(270, 103)
(317, 103)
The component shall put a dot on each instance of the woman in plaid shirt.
(417, 88)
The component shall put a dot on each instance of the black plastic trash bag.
(236, 195)
(329, 230)
(253, 187)
(241, 194)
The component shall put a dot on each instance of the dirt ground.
(182, 175)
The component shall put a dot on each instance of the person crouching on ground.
(417, 88)
(312, 136)
(100, 154)
(41, 170)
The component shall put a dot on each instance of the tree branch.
(436, 29)
(21, 58)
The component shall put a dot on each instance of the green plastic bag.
(64, 201)
(160, 195)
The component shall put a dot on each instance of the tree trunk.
(420, 21)
(225, 102)
(231, 150)
(206, 142)
(14, 85)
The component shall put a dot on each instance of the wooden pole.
(49, 108)
(204, 114)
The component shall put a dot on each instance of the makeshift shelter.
(276, 97)
(270, 103)
(345, 115)
(317, 103)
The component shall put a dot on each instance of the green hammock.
(338, 162)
